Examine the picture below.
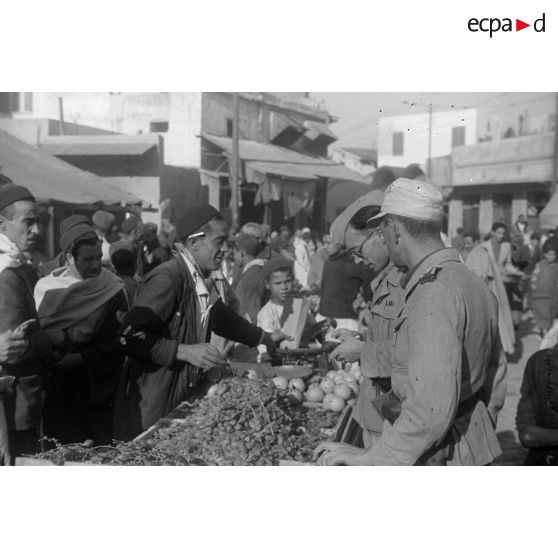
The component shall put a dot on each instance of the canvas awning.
(51, 179)
(100, 145)
(279, 161)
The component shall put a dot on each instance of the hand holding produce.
(203, 355)
(348, 351)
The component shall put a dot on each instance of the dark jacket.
(342, 281)
(23, 406)
(163, 316)
(251, 292)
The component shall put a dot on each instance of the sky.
(358, 113)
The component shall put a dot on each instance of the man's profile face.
(88, 260)
(390, 239)
(209, 250)
(373, 251)
(22, 229)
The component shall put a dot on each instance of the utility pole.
(61, 114)
(555, 158)
(235, 163)
(429, 164)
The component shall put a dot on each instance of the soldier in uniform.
(448, 368)
(351, 233)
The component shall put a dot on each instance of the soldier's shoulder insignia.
(430, 275)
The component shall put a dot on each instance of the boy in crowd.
(278, 275)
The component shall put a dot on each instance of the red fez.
(194, 219)
(75, 233)
(103, 219)
(249, 244)
(72, 221)
(11, 193)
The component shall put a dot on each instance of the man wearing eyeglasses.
(448, 368)
(352, 236)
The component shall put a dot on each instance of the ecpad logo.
(493, 25)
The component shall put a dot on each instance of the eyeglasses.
(357, 252)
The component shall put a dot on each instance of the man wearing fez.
(167, 331)
(79, 306)
(448, 368)
(20, 395)
(59, 260)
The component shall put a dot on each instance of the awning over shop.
(51, 179)
(100, 145)
(279, 161)
(279, 169)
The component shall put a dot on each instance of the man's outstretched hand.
(335, 453)
(273, 339)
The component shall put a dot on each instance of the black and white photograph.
(278, 279)
(260, 279)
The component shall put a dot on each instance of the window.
(159, 126)
(397, 143)
(457, 136)
(230, 126)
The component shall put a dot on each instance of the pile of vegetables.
(240, 422)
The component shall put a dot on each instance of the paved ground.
(513, 452)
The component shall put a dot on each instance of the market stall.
(262, 415)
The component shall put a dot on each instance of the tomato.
(280, 382)
(327, 385)
(315, 394)
(343, 391)
(297, 383)
(336, 403)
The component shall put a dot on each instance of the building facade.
(404, 139)
(194, 129)
(359, 159)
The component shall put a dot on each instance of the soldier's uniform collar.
(427, 269)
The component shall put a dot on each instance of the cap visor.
(376, 220)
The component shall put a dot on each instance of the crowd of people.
(125, 323)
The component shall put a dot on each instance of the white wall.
(537, 112)
(416, 135)
(352, 162)
(131, 113)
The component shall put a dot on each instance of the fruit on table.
(281, 382)
(327, 384)
(315, 394)
(250, 422)
(326, 401)
(336, 403)
(297, 383)
(296, 397)
(332, 374)
(343, 391)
